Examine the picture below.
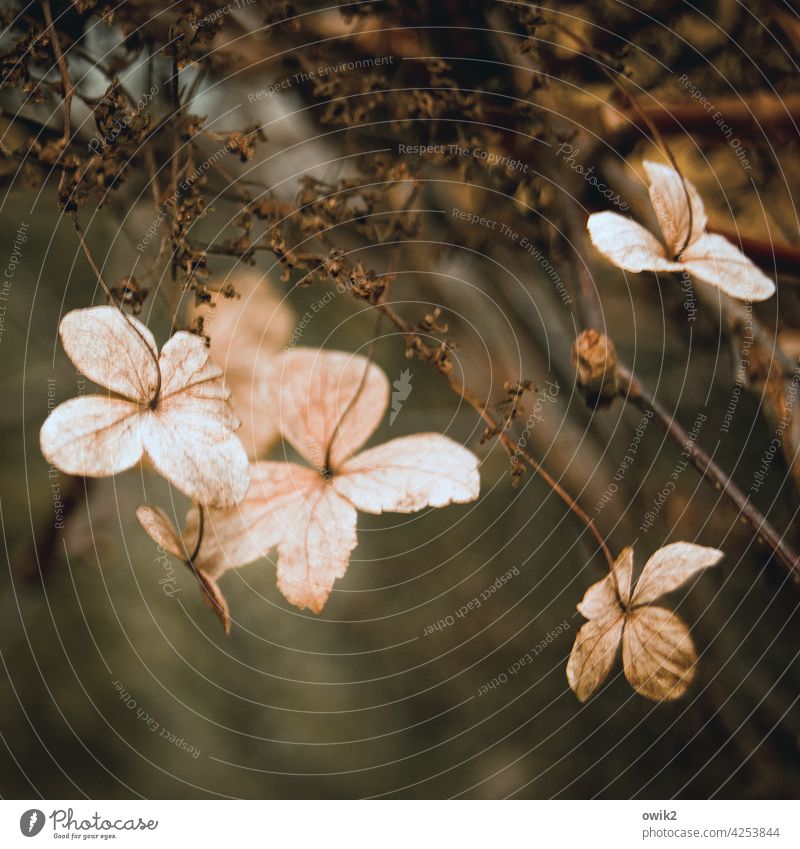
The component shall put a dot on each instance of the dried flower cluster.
(175, 410)
(476, 130)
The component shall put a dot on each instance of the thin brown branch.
(512, 447)
(631, 389)
(66, 82)
(754, 115)
(114, 302)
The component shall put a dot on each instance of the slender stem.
(199, 541)
(513, 448)
(88, 254)
(756, 116)
(634, 393)
(327, 468)
(655, 134)
(66, 83)
(62, 68)
(107, 291)
(174, 163)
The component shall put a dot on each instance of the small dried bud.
(127, 291)
(595, 358)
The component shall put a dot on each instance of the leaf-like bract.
(327, 404)
(686, 244)
(657, 651)
(161, 530)
(245, 334)
(175, 409)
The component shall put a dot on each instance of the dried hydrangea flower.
(327, 404)
(171, 408)
(658, 654)
(687, 246)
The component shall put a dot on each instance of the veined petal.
(323, 397)
(669, 199)
(599, 600)
(196, 452)
(623, 575)
(714, 259)
(627, 244)
(192, 381)
(316, 548)
(113, 350)
(247, 532)
(93, 435)
(672, 566)
(658, 653)
(593, 654)
(612, 593)
(409, 473)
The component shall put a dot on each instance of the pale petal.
(672, 566)
(593, 654)
(247, 332)
(196, 452)
(658, 653)
(599, 600)
(613, 592)
(258, 431)
(409, 473)
(627, 244)
(190, 380)
(93, 435)
(214, 599)
(247, 532)
(161, 530)
(189, 436)
(623, 575)
(321, 396)
(113, 350)
(316, 548)
(668, 196)
(714, 259)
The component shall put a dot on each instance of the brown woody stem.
(632, 391)
(513, 448)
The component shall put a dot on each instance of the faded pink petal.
(316, 547)
(114, 351)
(406, 474)
(627, 244)
(93, 436)
(247, 532)
(323, 397)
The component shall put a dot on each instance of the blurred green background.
(113, 687)
(359, 701)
